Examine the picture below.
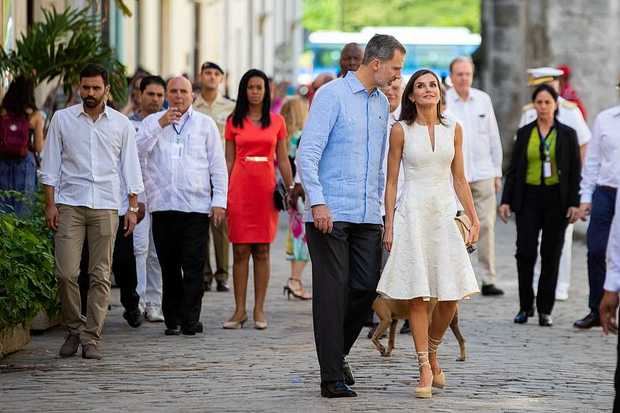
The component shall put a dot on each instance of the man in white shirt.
(186, 185)
(598, 198)
(90, 149)
(153, 91)
(609, 304)
(570, 115)
(482, 151)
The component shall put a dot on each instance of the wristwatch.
(133, 209)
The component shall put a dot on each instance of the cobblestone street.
(509, 368)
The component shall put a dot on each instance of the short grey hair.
(461, 59)
(382, 47)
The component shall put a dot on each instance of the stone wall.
(518, 34)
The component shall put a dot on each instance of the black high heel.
(288, 291)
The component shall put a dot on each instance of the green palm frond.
(59, 47)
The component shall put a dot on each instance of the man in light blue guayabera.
(340, 158)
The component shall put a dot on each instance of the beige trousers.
(221, 247)
(99, 227)
(486, 204)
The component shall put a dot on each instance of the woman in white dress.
(428, 258)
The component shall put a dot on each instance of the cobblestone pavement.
(510, 368)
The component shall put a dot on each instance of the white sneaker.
(561, 295)
(153, 313)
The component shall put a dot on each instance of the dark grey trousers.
(345, 273)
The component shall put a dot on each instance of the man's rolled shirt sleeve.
(217, 167)
(321, 119)
(612, 277)
(52, 155)
(130, 162)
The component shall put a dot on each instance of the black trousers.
(181, 245)
(123, 267)
(540, 212)
(345, 273)
(603, 208)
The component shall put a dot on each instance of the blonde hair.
(294, 111)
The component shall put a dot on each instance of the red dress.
(252, 215)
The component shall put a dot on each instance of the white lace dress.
(428, 257)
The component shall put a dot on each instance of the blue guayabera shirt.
(341, 151)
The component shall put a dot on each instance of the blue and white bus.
(428, 47)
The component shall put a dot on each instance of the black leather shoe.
(192, 329)
(134, 318)
(222, 287)
(172, 331)
(522, 316)
(349, 380)
(405, 329)
(544, 320)
(490, 290)
(336, 389)
(589, 321)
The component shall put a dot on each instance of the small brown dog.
(390, 311)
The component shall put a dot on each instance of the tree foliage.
(59, 46)
(27, 281)
(352, 15)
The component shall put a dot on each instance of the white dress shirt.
(568, 114)
(86, 161)
(392, 119)
(482, 145)
(181, 165)
(602, 156)
(612, 276)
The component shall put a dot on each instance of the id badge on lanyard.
(178, 145)
(547, 168)
(547, 162)
(177, 149)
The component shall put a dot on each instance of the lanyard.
(546, 143)
(178, 132)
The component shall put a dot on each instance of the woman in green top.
(542, 188)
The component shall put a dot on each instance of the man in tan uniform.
(212, 103)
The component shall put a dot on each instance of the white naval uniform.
(570, 115)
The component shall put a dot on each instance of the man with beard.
(343, 186)
(90, 149)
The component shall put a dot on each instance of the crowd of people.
(371, 172)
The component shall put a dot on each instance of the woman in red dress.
(254, 136)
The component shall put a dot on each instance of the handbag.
(463, 223)
(279, 196)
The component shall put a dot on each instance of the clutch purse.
(279, 196)
(463, 223)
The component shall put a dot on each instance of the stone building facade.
(518, 34)
(170, 37)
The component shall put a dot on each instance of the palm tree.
(59, 47)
